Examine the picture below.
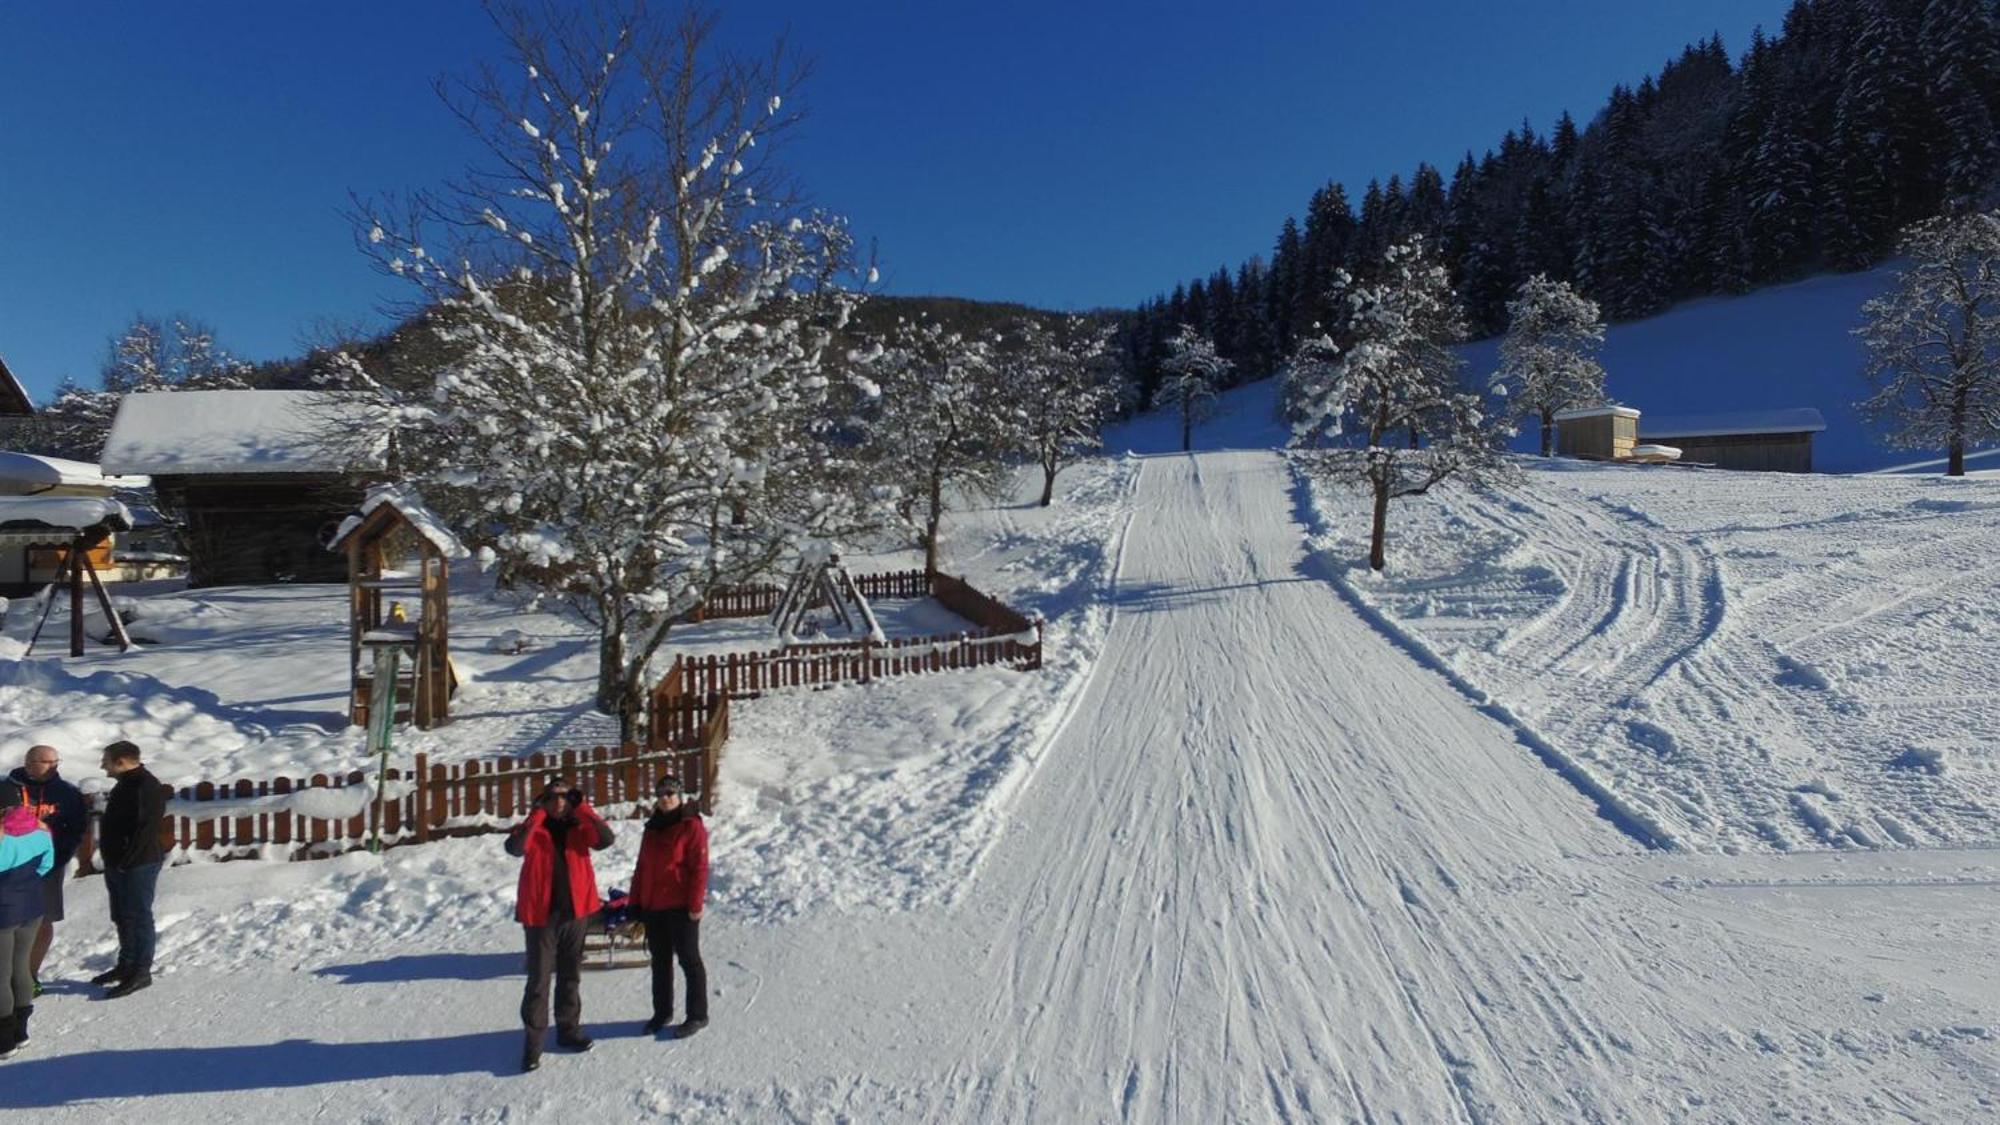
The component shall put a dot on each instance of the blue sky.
(194, 157)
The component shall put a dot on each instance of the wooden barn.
(259, 480)
(1767, 441)
(1597, 433)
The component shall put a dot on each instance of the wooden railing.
(687, 732)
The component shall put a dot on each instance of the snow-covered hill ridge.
(1781, 347)
(1746, 660)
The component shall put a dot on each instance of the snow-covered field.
(1268, 840)
(1741, 660)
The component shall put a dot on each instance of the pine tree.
(1959, 40)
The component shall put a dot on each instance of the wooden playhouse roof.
(388, 504)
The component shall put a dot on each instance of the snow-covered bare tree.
(153, 354)
(1066, 385)
(632, 408)
(1933, 341)
(1188, 378)
(944, 425)
(1399, 376)
(1548, 360)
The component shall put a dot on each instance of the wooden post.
(420, 779)
(76, 549)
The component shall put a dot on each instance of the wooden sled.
(615, 940)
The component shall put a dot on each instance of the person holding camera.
(667, 891)
(556, 896)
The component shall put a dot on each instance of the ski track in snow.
(1268, 867)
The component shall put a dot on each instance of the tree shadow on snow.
(92, 1076)
(427, 966)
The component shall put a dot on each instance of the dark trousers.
(671, 935)
(131, 890)
(554, 950)
(17, 984)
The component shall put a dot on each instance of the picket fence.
(687, 731)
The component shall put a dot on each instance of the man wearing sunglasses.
(555, 899)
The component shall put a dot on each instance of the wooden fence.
(687, 732)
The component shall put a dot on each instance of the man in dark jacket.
(556, 896)
(668, 889)
(128, 845)
(60, 806)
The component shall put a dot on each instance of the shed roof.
(25, 474)
(1596, 412)
(404, 501)
(1797, 420)
(14, 398)
(200, 433)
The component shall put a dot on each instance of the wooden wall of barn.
(1759, 453)
(250, 530)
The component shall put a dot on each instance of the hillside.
(1790, 345)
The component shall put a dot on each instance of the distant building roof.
(14, 398)
(1798, 420)
(68, 513)
(1596, 412)
(200, 433)
(25, 474)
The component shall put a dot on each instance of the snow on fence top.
(407, 503)
(25, 474)
(1799, 420)
(247, 432)
(72, 513)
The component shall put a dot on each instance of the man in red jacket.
(557, 896)
(667, 891)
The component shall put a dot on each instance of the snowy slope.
(1786, 346)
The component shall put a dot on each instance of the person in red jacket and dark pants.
(557, 896)
(667, 891)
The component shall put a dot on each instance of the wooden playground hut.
(394, 527)
(81, 527)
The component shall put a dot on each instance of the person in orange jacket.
(556, 896)
(668, 889)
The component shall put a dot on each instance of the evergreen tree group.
(1810, 152)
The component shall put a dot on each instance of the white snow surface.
(245, 431)
(1271, 840)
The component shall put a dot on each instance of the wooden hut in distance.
(1597, 433)
(394, 545)
(1765, 441)
(259, 479)
(16, 408)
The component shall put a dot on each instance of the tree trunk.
(1048, 485)
(931, 524)
(1377, 556)
(1955, 450)
(1548, 431)
(1187, 428)
(610, 659)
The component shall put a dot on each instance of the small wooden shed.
(1767, 441)
(81, 527)
(258, 479)
(395, 545)
(16, 408)
(1597, 433)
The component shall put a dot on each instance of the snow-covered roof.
(13, 396)
(1798, 420)
(1596, 412)
(24, 474)
(177, 433)
(411, 507)
(74, 513)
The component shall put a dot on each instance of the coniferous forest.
(1808, 152)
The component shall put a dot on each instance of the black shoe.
(112, 977)
(139, 979)
(9, 1035)
(654, 1025)
(576, 1041)
(686, 1028)
(21, 1023)
(531, 1052)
